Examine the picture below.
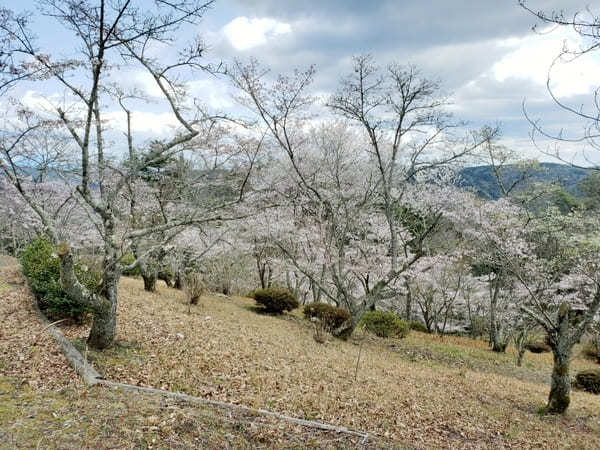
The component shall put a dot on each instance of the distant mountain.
(481, 178)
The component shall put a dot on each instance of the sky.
(484, 53)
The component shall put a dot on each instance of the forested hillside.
(482, 180)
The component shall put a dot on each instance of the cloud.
(244, 33)
(146, 83)
(155, 123)
(212, 92)
(532, 56)
(45, 104)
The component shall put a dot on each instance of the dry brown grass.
(43, 404)
(102, 418)
(232, 354)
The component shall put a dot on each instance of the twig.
(359, 353)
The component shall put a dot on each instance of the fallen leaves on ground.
(27, 352)
(43, 404)
(230, 353)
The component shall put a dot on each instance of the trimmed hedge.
(384, 324)
(418, 326)
(42, 269)
(590, 351)
(275, 300)
(588, 380)
(538, 347)
(331, 316)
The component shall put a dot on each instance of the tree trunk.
(104, 325)
(103, 304)
(179, 279)
(520, 356)
(261, 274)
(560, 388)
(520, 344)
(497, 344)
(149, 282)
(166, 276)
(408, 302)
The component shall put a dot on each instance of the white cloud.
(244, 33)
(144, 122)
(533, 55)
(47, 104)
(147, 84)
(212, 92)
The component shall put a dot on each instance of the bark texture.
(149, 282)
(498, 344)
(102, 304)
(560, 388)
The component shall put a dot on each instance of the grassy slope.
(43, 404)
(422, 390)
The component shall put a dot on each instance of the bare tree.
(586, 24)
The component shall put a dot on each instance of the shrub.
(538, 347)
(330, 316)
(275, 300)
(194, 287)
(42, 271)
(126, 260)
(89, 273)
(384, 324)
(418, 326)
(591, 351)
(588, 380)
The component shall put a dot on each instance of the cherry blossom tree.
(349, 191)
(551, 261)
(563, 289)
(113, 36)
(492, 224)
(437, 287)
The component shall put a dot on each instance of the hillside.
(423, 390)
(481, 178)
(45, 405)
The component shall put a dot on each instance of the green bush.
(588, 380)
(538, 347)
(418, 326)
(275, 300)
(126, 260)
(42, 270)
(331, 317)
(384, 324)
(89, 273)
(590, 351)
